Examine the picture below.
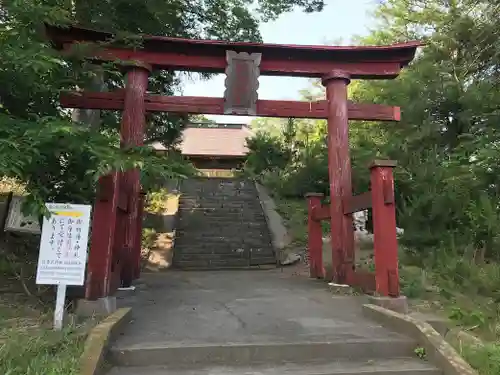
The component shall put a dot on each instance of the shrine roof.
(402, 53)
(217, 140)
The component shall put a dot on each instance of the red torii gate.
(116, 226)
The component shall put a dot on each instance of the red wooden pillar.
(314, 237)
(339, 167)
(132, 134)
(384, 228)
(102, 238)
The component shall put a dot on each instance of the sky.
(340, 20)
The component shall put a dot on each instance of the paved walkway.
(241, 307)
(254, 323)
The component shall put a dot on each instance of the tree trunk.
(90, 117)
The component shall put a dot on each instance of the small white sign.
(63, 246)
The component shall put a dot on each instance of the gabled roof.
(213, 140)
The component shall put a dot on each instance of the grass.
(453, 286)
(466, 303)
(464, 292)
(486, 359)
(29, 346)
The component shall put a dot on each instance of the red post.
(339, 167)
(384, 228)
(314, 237)
(102, 238)
(132, 134)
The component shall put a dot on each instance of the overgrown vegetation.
(159, 204)
(485, 358)
(447, 148)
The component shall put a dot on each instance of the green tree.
(447, 144)
(447, 140)
(268, 125)
(40, 146)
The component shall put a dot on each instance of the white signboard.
(63, 251)
(63, 246)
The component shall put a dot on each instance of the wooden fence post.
(384, 228)
(314, 237)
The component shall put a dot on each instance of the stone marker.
(19, 222)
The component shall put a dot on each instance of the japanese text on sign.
(63, 246)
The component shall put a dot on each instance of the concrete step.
(205, 255)
(218, 237)
(199, 205)
(220, 246)
(220, 256)
(224, 229)
(399, 366)
(224, 224)
(211, 194)
(222, 217)
(218, 197)
(230, 204)
(260, 259)
(234, 250)
(222, 263)
(235, 233)
(237, 217)
(245, 208)
(261, 353)
(203, 208)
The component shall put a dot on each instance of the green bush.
(486, 359)
(265, 154)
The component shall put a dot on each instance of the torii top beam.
(362, 62)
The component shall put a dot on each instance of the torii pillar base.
(98, 308)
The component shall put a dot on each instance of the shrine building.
(213, 146)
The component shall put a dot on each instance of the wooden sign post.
(63, 251)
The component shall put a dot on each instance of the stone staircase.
(221, 224)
